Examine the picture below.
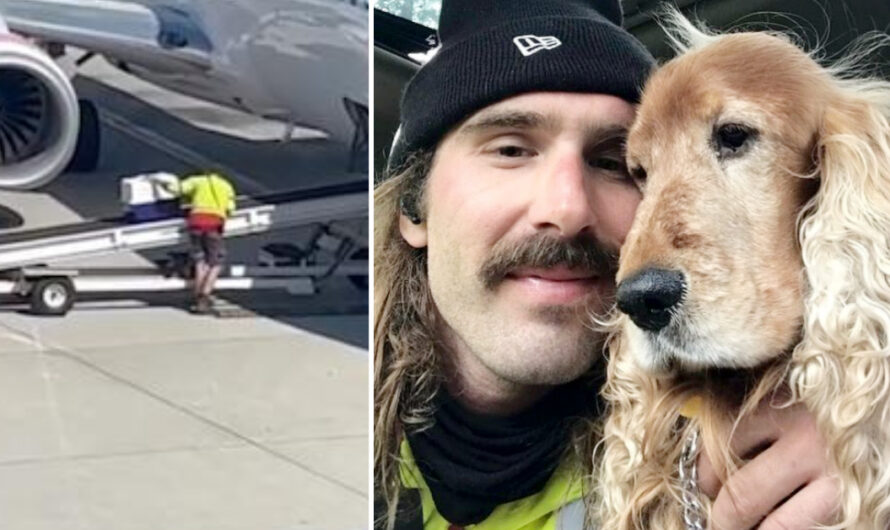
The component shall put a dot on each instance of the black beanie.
(494, 49)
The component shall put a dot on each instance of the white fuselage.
(287, 60)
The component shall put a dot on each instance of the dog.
(757, 270)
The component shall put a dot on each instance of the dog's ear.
(842, 365)
(641, 443)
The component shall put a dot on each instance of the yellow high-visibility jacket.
(208, 194)
(558, 506)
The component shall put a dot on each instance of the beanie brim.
(594, 56)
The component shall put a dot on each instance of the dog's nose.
(648, 296)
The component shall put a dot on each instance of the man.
(496, 233)
(210, 199)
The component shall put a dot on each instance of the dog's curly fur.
(785, 248)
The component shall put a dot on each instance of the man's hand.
(786, 486)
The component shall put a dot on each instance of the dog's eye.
(638, 173)
(731, 139)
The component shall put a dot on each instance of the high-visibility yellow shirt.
(208, 194)
(558, 505)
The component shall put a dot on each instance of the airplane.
(300, 62)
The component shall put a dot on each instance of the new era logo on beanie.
(529, 44)
(477, 64)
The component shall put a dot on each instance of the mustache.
(543, 251)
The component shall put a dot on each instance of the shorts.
(207, 246)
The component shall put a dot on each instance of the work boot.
(202, 306)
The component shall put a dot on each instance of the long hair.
(842, 366)
(407, 371)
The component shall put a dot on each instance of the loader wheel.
(52, 296)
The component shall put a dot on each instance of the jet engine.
(39, 115)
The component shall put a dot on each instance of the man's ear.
(413, 233)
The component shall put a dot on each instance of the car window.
(423, 12)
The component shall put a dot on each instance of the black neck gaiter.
(472, 462)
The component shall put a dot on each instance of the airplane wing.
(162, 38)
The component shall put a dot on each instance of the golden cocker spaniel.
(757, 270)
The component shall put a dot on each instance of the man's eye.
(607, 164)
(511, 151)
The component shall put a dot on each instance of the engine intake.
(39, 115)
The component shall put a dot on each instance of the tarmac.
(130, 413)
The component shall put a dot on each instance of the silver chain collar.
(693, 513)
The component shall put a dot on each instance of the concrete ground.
(129, 413)
(154, 419)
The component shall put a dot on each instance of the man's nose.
(562, 200)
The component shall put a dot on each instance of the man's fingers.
(814, 505)
(766, 425)
(708, 482)
(761, 484)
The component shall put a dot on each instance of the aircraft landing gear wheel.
(360, 281)
(86, 154)
(52, 296)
